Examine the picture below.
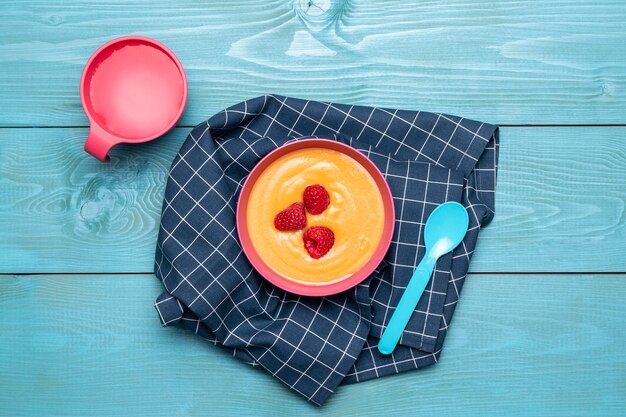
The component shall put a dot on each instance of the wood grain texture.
(502, 62)
(518, 346)
(62, 210)
(560, 202)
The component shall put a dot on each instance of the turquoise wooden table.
(540, 329)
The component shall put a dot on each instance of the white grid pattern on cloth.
(314, 344)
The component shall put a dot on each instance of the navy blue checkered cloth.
(313, 344)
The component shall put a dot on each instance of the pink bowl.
(299, 287)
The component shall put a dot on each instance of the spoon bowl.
(445, 228)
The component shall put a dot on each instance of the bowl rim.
(300, 287)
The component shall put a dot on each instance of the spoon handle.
(406, 306)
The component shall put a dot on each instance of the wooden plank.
(560, 206)
(515, 62)
(64, 211)
(518, 346)
(560, 202)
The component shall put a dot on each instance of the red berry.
(316, 199)
(318, 240)
(291, 218)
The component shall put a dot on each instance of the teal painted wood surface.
(502, 62)
(555, 210)
(521, 344)
(93, 345)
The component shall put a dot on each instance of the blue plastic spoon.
(445, 228)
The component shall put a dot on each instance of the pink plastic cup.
(133, 89)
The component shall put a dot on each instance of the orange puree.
(355, 215)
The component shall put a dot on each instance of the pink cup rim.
(300, 287)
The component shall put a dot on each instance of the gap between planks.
(25, 274)
(499, 125)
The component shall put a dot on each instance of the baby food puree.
(355, 215)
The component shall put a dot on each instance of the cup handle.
(99, 143)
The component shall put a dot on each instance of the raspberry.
(291, 218)
(318, 240)
(316, 199)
